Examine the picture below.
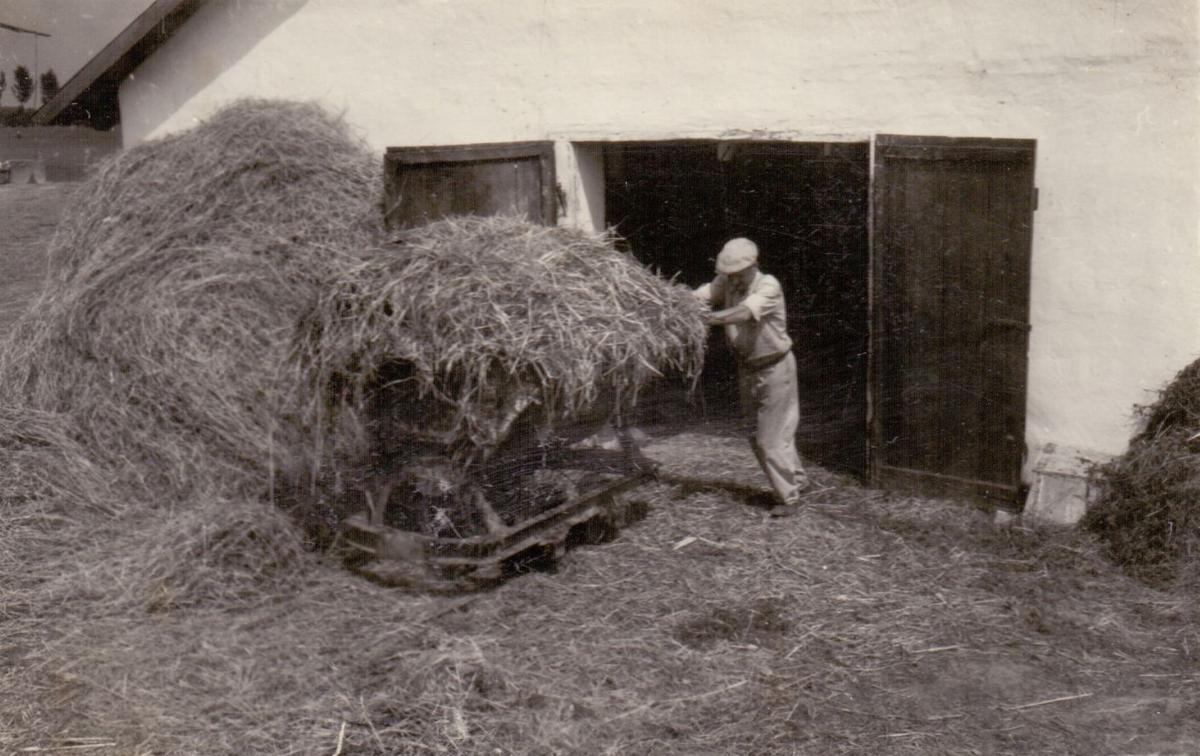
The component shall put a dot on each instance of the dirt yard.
(868, 624)
(66, 152)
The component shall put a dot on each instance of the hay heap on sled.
(225, 314)
(1148, 506)
(464, 348)
(467, 322)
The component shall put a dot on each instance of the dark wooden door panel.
(426, 183)
(951, 253)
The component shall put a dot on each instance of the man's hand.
(730, 316)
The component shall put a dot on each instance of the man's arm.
(766, 297)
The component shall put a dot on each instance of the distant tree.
(22, 85)
(49, 85)
(3, 86)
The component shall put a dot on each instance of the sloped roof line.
(94, 87)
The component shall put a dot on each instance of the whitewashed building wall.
(1109, 88)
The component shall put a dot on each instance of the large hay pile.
(225, 314)
(1148, 509)
(176, 278)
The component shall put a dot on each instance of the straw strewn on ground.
(867, 624)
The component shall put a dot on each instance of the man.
(752, 311)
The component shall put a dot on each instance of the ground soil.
(869, 623)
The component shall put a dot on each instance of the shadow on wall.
(211, 42)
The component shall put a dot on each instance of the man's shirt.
(763, 337)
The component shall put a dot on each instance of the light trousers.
(770, 398)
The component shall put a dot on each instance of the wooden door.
(422, 184)
(951, 238)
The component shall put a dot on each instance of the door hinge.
(1035, 198)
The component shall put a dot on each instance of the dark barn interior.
(805, 205)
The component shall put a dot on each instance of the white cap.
(737, 254)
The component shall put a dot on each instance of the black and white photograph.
(599, 377)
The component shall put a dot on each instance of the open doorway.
(948, 258)
(805, 205)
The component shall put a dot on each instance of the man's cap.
(737, 254)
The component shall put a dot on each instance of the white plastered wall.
(1109, 88)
